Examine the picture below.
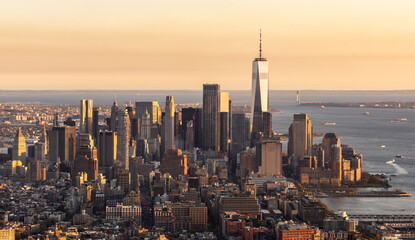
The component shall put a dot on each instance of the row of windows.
(263, 75)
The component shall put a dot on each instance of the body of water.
(367, 134)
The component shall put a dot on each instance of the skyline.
(323, 45)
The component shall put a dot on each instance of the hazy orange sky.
(177, 44)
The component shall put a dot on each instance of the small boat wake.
(398, 169)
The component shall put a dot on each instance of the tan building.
(123, 213)
(107, 148)
(174, 162)
(19, 147)
(269, 157)
(300, 138)
(35, 171)
(247, 161)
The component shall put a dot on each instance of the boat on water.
(328, 123)
(398, 120)
(383, 146)
(367, 113)
(399, 156)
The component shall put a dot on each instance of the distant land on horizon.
(239, 97)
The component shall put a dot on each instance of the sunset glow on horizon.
(320, 44)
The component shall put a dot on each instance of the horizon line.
(334, 90)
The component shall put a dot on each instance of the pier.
(385, 218)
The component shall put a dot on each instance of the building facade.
(85, 125)
(211, 119)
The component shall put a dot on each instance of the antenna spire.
(260, 44)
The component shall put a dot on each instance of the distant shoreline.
(387, 104)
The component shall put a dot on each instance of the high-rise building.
(35, 170)
(145, 132)
(194, 115)
(259, 94)
(330, 140)
(300, 142)
(86, 116)
(107, 148)
(95, 123)
(19, 147)
(135, 123)
(55, 120)
(86, 159)
(152, 108)
(248, 163)
(189, 135)
(333, 156)
(267, 131)
(123, 137)
(225, 121)
(211, 118)
(44, 139)
(169, 124)
(62, 144)
(238, 137)
(114, 113)
(174, 162)
(40, 151)
(269, 157)
(224, 131)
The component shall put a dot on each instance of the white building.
(123, 213)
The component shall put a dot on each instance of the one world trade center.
(260, 117)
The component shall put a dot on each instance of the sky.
(181, 44)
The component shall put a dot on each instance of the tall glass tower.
(169, 124)
(86, 116)
(259, 93)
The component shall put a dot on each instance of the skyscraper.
(145, 132)
(44, 139)
(333, 156)
(269, 157)
(19, 147)
(123, 137)
(169, 124)
(300, 142)
(135, 123)
(194, 115)
(225, 121)
(35, 170)
(238, 137)
(114, 112)
(107, 148)
(259, 93)
(330, 141)
(211, 100)
(86, 116)
(62, 144)
(152, 108)
(86, 158)
(95, 123)
(174, 162)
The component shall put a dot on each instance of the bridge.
(387, 218)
